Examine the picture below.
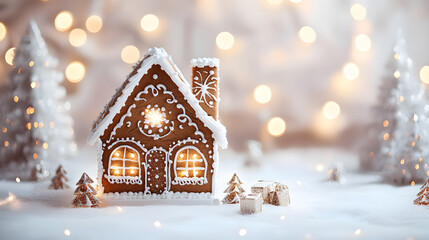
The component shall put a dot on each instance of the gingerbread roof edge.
(161, 57)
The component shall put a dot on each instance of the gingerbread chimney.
(205, 84)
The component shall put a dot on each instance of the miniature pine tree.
(234, 190)
(407, 163)
(85, 193)
(60, 179)
(36, 129)
(423, 195)
(376, 149)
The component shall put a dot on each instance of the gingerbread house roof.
(155, 56)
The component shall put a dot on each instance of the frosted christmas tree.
(376, 150)
(36, 130)
(407, 150)
(423, 195)
(233, 191)
(85, 193)
(59, 181)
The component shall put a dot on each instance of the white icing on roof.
(202, 62)
(160, 56)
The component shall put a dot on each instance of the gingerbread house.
(158, 135)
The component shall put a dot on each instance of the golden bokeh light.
(225, 40)
(386, 136)
(10, 54)
(385, 123)
(94, 23)
(130, 54)
(149, 22)
(3, 31)
(320, 167)
(77, 37)
(307, 34)
(75, 72)
(262, 94)
(396, 74)
(363, 42)
(424, 74)
(331, 110)
(63, 21)
(358, 12)
(351, 71)
(276, 126)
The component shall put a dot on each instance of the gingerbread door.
(156, 166)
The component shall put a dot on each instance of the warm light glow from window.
(149, 22)
(331, 110)
(225, 40)
(276, 126)
(130, 54)
(77, 37)
(262, 94)
(116, 171)
(94, 23)
(307, 34)
(154, 117)
(358, 12)
(351, 71)
(63, 21)
(3, 31)
(424, 74)
(10, 54)
(75, 72)
(363, 42)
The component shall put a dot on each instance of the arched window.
(124, 166)
(190, 166)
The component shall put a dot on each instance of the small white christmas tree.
(233, 191)
(36, 130)
(406, 162)
(423, 195)
(376, 149)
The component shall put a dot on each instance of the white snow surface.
(318, 210)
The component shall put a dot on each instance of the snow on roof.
(202, 62)
(157, 56)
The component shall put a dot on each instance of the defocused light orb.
(242, 232)
(130, 54)
(358, 12)
(397, 74)
(424, 74)
(363, 42)
(94, 23)
(331, 110)
(3, 31)
(320, 167)
(307, 34)
(225, 40)
(262, 94)
(10, 54)
(276, 126)
(75, 72)
(63, 21)
(77, 37)
(149, 22)
(274, 2)
(351, 71)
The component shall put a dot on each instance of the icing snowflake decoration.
(202, 89)
(155, 117)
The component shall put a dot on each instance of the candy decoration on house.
(251, 203)
(85, 193)
(157, 136)
(36, 130)
(274, 193)
(376, 147)
(59, 181)
(408, 155)
(233, 191)
(423, 195)
(253, 154)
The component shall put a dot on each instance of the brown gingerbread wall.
(130, 133)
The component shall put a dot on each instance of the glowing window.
(190, 166)
(124, 165)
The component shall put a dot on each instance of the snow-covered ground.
(361, 208)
